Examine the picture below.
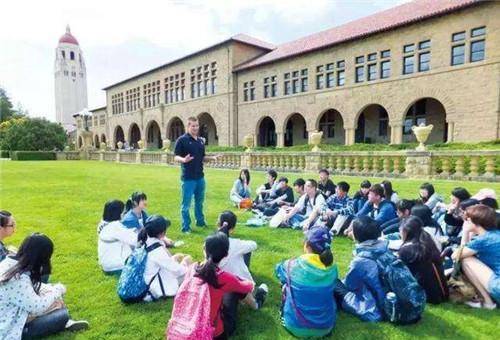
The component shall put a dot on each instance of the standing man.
(190, 152)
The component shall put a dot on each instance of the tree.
(31, 134)
(7, 110)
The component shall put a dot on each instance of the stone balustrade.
(480, 165)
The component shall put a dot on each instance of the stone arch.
(153, 135)
(265, 132)
(119, 136)
(426, 110)
(96, 141)
(175, 128)
(372, 124)
(331, 122)
(134, 135)
(420, 93)
(103, 138)
(294, 129)
(208, 128)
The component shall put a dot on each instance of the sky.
(122, 38)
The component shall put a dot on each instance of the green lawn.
(65, 200)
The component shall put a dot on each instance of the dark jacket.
(386, 211)
(359, 201)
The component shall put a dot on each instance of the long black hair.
(154, 226)
(461, 193)
(113, 211)
(135, 199)
(359, 194)
(425, 214)
(412, 229)
(4, 218)
(227, 221)
(216, 248)
(247, 175)
(388, 191)
(430, 191)
(33, 257)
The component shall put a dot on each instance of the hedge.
(33, 155)
(4, 154)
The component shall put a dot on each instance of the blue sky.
(123, 38)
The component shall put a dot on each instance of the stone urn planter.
(119, 145)
(248, 142)
(315, 140)
(422, 132)
(166, 145)
(140, 144)
(103, 146)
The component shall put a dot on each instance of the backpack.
(410, 297)
(306, 202)
(131, 285)
(190, 319)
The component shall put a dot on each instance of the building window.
(383, 123)
(151, 94)
(175, 88)
(204, 80)
(385, 54)
(117, 103)
(460, 36)
(424, 44)
(385, 69)
(408, 65)
(415, 116)
(327, 124)
(424, 61)
(320, 81)
(274, 86)
(63, 53)
(298, 82)
(249, 91)
(372, 72)
(360, 59)
(458, 54)
(360, 74)
(72, 55)
(340, 73)
(477, 32)
(477, 50)
(409, 48)
(372, 56)
(132, 99)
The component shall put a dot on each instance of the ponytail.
(129, 205)
(142, 236)
(154, 226)
(216, 248)
(134, 200)
(208, 273)
(227, 221)
(225, 228)
(326, 257)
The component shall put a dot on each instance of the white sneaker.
(473, 304)
(78, 325)
(489, 306)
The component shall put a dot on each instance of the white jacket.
(234, 262)
(115, 244)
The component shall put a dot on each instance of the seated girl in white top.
(29, 308)
(163, 271)
(115, 242)
(241, 188)
(237, 262)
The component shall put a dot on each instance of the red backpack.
(190, 319)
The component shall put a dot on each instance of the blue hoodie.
(366, 295)
(131, 221)
(386, 211)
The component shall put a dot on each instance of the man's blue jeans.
(190, 188)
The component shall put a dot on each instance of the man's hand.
(187, 159)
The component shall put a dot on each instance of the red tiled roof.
(246, 39)
(68, 38)
(385, 20)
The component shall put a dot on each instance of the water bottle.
(391, 300)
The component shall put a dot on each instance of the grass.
(64, 200)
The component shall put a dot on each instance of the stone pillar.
(101, 155)
(349, 136)
(418, 164)
(397, 133)
(138, 156)
(246, 160)
(280, 139)
(313, 162)
(450, 133)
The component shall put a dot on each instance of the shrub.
(4, 154)
(30, 134)
(33, 156)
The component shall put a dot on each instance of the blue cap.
(319, 239)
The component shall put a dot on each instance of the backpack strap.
(157, 275)
(292, 299)
(153, 247)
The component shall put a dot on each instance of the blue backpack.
(409, 302)
(131, 285)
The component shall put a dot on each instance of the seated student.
(338, 210)
(480, 255)
(284, 197)
(7, 228)
(115, 242)
(429, 224)
(403, 210)
(298, 187)
(135, 213)
(361, 196)
(164, 272)
(308, 305)
(241, 188)
(428, 196)
(237, 263)
(325, 184)
(377, 207)
(300, 215)
(389, 193)
(29, 308)
(267, 191)
(219, 281)
(420, 254)
(362, 293)
(455, 220)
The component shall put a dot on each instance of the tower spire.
(68, 30)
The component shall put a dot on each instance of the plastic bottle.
(392, 299)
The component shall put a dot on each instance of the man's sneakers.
(261, 294)
(479, 304)
(76, 325)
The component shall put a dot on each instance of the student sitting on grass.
(378, 207)
(29, 308)
(284, 197)
(164, 272)
(403, 210)
(241, 188)
(237, 263)
(7, 228)
(389, 193)
(362, 293)
(115, 242)
(308, 305)
(267, 190)
(361, 196)
(325, 185)
(430, 226)
(428, 195)
(422, 257)
(300, 215)
(135, 213)
(480, 256)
